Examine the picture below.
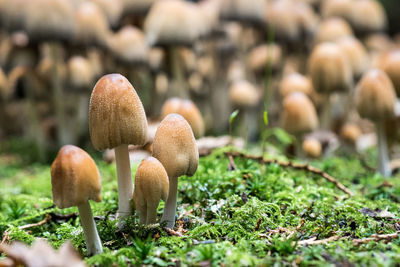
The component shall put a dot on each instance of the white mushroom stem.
(383, 158)
(93, 243)
(170, 205)
(125, 185)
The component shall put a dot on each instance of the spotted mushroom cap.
(175, 146)
(116, 114)
(74, 178)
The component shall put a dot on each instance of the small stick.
(44, 221)
(257, 225)
(312, 241)
(298, 166)
(375, 237)
(172, 232)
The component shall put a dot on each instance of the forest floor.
(235, 211)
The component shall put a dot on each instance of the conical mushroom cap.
(299, 115)
(151, 183)
(188, 110)
(391, 65)
(175, 147)
(329, 69)
(116, 114)
(80, 72)
(74, 178)
(244, 94)
(333, 29)
(336, 8)
(368, 16)
(295, 82)
(375, 96)
(356, 53)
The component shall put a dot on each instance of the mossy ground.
(226, 217)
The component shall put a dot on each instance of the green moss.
(230, 217)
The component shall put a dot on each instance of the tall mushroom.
(175, 147)
(75, 180)
(151, 185)
(375, 99)
(116, 119)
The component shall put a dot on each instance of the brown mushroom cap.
(299, 115)
(129, 45)
(336, 8)
(93, 28)
(74, 178)
(116, 114)
(312, 147)
(260, 56)
(50, 20)
(333, 29)
(356, 53)
(80, 72)
(188, 110)
(391, 65)
(244, 94)
(350, 133)
(172, 22)
(375, 96)
(151, 183)
(112, 9)
(329, 69)
(175, 147)
(295, 82)
(368, 16)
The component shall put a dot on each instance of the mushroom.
(312, 147)
(336, 8)
(188, 110)
(350, 133)
(175, 147)
(356, 53)
(330, 72)
(151, 185)
(375, 98)
(116, 119)
(246, 97)
(295, 82)
(368, 16)
(75, 180)
(333, 29)
(391, 65)
(298, 117)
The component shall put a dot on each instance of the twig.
(312, 241)
(375, 237)
(356, 242)
(172, 232)
(44, 221)
(298, 166)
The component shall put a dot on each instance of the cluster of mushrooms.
(117, 119)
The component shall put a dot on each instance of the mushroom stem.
(325, 118)
(298, 147)
(170, 205)
(93, 243)
(125, 185)
(383, 158)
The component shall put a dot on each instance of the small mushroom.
(117, 119)
(356, 53)
(151, 185)
(75, 179)
(333, 29)
(368, 16)
(375, 100)
(312, 147)
(295, 82)
(299, 116)
(175, 147)
(330, 72)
